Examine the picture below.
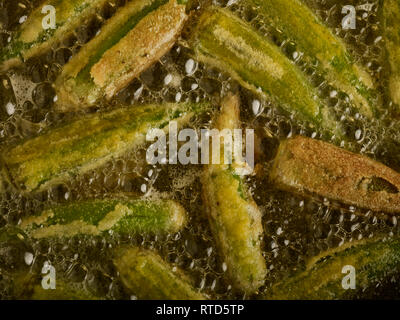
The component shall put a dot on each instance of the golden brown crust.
(309, 166)
(144, 45)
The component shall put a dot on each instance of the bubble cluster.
(295, 228)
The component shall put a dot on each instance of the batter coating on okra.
(75, 192)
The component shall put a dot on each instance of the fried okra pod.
(390, 20)
(233, 215)
(223, 40)
(89, 142)
(373, 262)
(328, 53)
(95, 217)
(313, 167)
(32, 38)
(146, 275)
(137, 36)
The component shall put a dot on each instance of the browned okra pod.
(312, 167)
(137, 36)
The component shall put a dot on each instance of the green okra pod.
(94, 217)
(312, 167)
(132, 40)
(373, 260)
(390, 12)
(148, 276)
(298, 23)
(31, 38)
(233, 215)
(225, 41)
(89, 142)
